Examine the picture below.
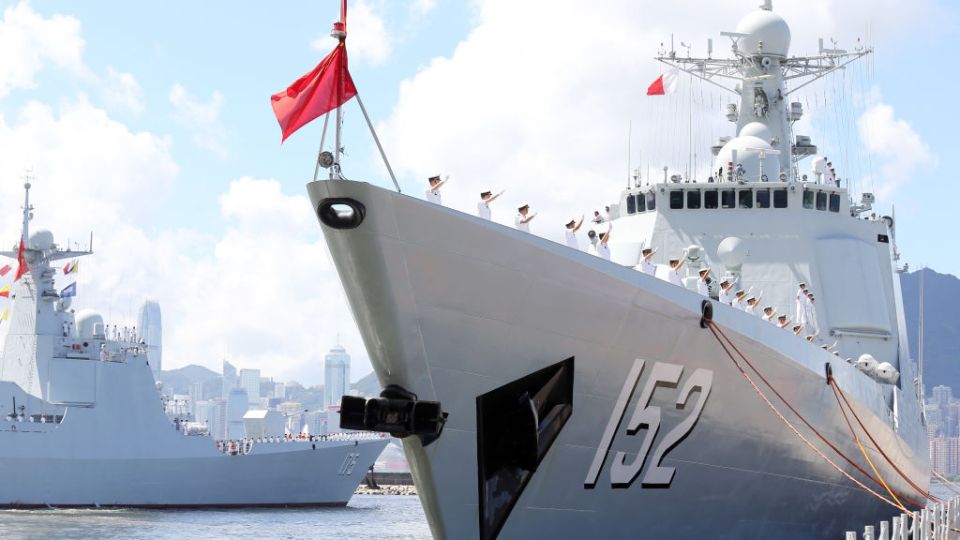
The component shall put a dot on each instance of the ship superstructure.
(586, 398)
(82, 422)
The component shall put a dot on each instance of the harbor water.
(366, 516)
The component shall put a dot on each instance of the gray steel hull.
(451, 307)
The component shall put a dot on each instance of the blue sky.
(150, 124)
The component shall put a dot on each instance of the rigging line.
(838, 391)
(948, 483)
(862, 449)
(791, 407)
(713, 329)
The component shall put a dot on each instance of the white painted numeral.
(648, 417)
(349, 462)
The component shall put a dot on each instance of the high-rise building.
(229, 379)
(148, 321)
(237, 405)
(250, 381)
(942, 395)
(336, 376)
(213, 413)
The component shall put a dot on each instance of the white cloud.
(538, 97)
(121, 90)
(30, 41)
(422, 7)
(368, 38)
(201, 118)
(899, 149)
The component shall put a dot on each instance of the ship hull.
(202, 478)
(452, 308)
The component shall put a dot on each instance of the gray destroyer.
(82, 424)
(584, 398)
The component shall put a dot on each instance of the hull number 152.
(624, 471)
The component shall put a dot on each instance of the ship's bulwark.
(451, 307)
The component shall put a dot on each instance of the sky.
(149, 125)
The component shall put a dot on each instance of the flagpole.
(323, 138)
(377, 140)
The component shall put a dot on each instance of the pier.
(936, 522)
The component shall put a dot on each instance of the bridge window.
(808, 198)
(631, 205)
(745, 198)
(821, 200)
(834, 202)
(763, 198)
(711, 199)
(651, 200)
(728, 199)
(693, 199)
(676, 200)
(779, 198)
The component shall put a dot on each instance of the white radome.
(87, 323)
(748, 149)
(764, 27)
(885, 372)
(756, 129)
(866, 363)
(42, 240)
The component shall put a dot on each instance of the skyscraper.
(237, 405)
(229, 379)
(148, 321)
(336, 376)
(250, 381)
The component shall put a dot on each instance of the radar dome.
(866, 363)
(756, 129)
(731, 252)
(745, 150)
(89, 324)
(887, 373)
(766, 28)
(42, 240)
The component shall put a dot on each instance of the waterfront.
(366, 516)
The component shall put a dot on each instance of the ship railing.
(935, 522)
(243, 446)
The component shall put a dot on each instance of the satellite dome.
(756, 129)
(89, 324)
(745, 151)
(731, 252)
(764, 27)
(42, 240)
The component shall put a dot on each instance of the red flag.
(22, 267)
(325, 88)
(665, 84)
(6, 268)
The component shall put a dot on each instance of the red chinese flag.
(325, 88)
(6, 268)
(22, 267)
(656, 88)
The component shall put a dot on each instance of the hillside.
(942, 325)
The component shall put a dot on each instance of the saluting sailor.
(433, 192)
(751, 307)
(602, 247)
(646, 266)
(797, 328)
(703, 282)
(782, 321)
(739, 300)
(483, 207)
(768, 315)
(801, 303)
(726, 292)
(571, 233)
(523, 218)
(673, 274)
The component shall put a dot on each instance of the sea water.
(366, 516)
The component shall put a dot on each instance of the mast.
(340, 34)
(27, 209)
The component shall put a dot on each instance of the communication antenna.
(920, 388)
(629, 164)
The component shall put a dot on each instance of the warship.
(82, 422)
(543, 391)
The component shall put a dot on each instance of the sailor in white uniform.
(703, 282)
(801, 297)
(571, 233)
(673, 274)
(811, 315)
(782, 321)
(523, 218)
(797, 328)
(740, 300)
(646, 266)
(751, 306)
(603, 249)
(433, 192)
(483, 207)
(726, 292)
(768, 315)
